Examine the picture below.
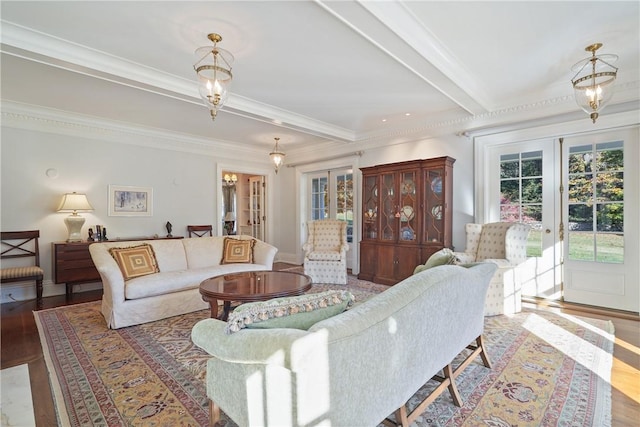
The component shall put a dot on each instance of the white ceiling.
(314, 72)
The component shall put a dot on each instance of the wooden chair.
(22, 244)
(200, 230)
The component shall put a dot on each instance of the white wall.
(184, 187)
(461, 149)
(283, 204)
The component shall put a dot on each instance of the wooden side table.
(72, 264)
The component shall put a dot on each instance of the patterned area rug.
(548, 370)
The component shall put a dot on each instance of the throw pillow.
(135, 261)
(237, 251)
(442, 257)
(300, 312)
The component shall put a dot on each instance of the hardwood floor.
(21, 344)
(625, 373)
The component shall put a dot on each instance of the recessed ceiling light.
(384, 120)
(407, 114)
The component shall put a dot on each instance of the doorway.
(229, 203)
(243, 208)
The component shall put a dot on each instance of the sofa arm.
(112, 279)
(280, 347)
(264, 253)
(465, 258)
(501, 263)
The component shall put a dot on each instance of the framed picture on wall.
(130, 201)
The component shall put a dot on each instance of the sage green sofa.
(353, 369)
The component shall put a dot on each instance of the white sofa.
(355, 368)
(174, 290)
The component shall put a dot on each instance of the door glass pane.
(580, 187)
(531, 190)
(344, 201)
(521, 194)
(596, 202)
(319, 206)
(532, 164)
(534, 241)
(509, 166)
(510, 190)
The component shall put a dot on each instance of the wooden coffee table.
(251, 286)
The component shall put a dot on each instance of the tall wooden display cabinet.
(406, 216)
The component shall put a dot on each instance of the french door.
(331, 197)
(580, 196)
(521, 189)
(601, 213)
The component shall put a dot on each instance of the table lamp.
(74, 202)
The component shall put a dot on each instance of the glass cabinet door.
(408, 207)
(388, 220)
(434, 204)
(370, 207)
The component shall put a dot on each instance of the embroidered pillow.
(442, 257)
(236, 251)
(300, 312)
(135, 261)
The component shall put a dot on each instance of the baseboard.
(589, 309)
(24, 291)
(288, 258)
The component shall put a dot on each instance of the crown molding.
(547, 110)
(40, 119)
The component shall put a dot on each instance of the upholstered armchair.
(325, 252)
(504, 244)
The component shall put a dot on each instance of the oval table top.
(255, 285)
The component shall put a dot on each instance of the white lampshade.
(230, 216)
(74, 202)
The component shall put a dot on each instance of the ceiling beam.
(39, 47)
